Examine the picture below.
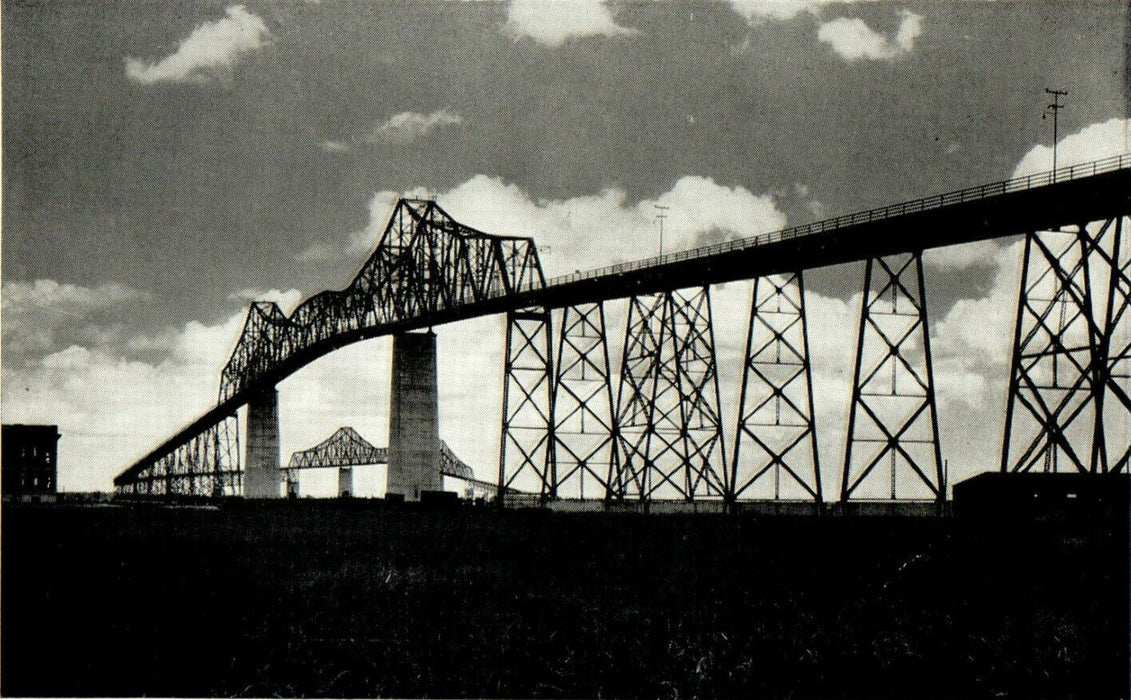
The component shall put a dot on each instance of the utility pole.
(1054, 108)
(660, 216)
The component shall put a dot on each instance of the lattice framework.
(776, 425)
(1068, 405)
(206, 465)
(668, 411)
(584, 451)
(893, 413)
(425, 262)
(526, 439)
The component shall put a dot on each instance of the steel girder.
(425, 262)
(1068, 405)
(527, 437)
(345, 448)
(206, 465)
(775, 406)
(668, 406)
(584, 451)
(893, 414)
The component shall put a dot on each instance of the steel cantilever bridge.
(565, 432)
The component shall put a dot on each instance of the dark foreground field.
(335, 601)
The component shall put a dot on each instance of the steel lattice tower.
(1070, 365)
(207, 464)
(584, 450)
(668, 408)
(526, 444)
(775, 406)
(892, 416)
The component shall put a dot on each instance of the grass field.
(348, 600)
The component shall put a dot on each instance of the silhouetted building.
(1043, 495)
(29, 459)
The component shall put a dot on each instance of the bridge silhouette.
(660, 436)
(346, 448)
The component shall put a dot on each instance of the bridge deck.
(1080, 193)
(1075, 195)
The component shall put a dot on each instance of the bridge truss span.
(346, 448)
(425, 263)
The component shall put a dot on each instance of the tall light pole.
(1054, 108)
(660, 216)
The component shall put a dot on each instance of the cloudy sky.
(166, 163)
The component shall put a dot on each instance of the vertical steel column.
(893, 412)
(1050, 414)
(1112, 441)
(775, 405)
(668, 408)
(1070, 352)
(585, 449)
(636, 405)
(526, 448)
(229, 468)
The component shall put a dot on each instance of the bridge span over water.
(659, 436)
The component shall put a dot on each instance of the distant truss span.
(346, 448)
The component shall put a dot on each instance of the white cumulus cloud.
(1093, 142)
(209, 51)
(604, 228)
(406, 127)
(109, 405)
(45, 295)
(853, 40)
(36, 313)
(582, 232)
(552, 22)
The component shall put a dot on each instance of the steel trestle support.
(527, 439)
(208, 464)
(1068, 406)
(668, 406)
(775, 405)
(893, 412)
(584, 451)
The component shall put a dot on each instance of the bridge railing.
(968, 194)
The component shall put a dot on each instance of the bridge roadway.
(1079, 194)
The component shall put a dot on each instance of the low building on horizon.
(29, 460)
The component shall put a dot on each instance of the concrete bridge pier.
(262, 476)
(345, 482)
(414, 421)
